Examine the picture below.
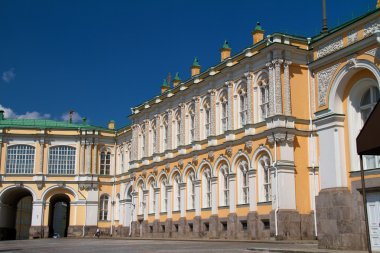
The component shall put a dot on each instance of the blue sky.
(100, 58)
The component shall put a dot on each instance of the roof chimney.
(195, 68)
(258, 33)
(225, 51)
(111, 125)
(176, 80)
(1, 114)
(324, 17)
(165, 86)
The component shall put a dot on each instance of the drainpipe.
(85, 214)
(313, 154)
(274, 165)
(113, 196)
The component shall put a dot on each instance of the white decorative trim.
(324, 78)
(330, 47)
(352, 36)
(371, 28)
(372, 52)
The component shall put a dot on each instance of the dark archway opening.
(59, 215)
(15, 214)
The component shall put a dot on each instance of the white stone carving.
(330, 47)
(324, 78)
(352, 36)
(371, 28)
(372, 52)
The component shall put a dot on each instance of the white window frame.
(103, 207)
(20, 159)
(61, 160)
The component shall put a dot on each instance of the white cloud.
(8, 75)
(76, 117)
(10, 114)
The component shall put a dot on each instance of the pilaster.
(88, 157)
(277, 86)
(214, 190)
(183, 199)
(212, 111)
(230, 94)
(183, 125)
(41, 160)
(271, 89)
(197, 191)
(287, 95)
(95, 158)
(250, 114)
(232, 185)
(197, 104)
(82, 152)
(169, 208)
(252, 189)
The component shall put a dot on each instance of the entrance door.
(59, 216)
(373, 208)
(23, 218)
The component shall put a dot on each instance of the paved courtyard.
(133, 246)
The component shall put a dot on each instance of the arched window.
(177, 193)
(224, 117)
(164, 195)
(207, 118)
(105, 163)
(191, 124)
(362, 99)
(103, 207)
(154, 139)
(367, 103)
(264, 100)
(243, 182)
(152, 200)
(165, 133)
(178, 129)
(265, 187)
(20, 159)
(142, 142)
(206, 188)
(61, 160)
(191, 191)
(224, 188)
(243, 108)
(141, 199)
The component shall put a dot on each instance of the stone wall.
(340, 219)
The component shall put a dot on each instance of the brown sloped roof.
(368, 140)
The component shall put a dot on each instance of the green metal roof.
(258, 27)
(331, 31)
(177, 78)
(44, 123)
(165, 83)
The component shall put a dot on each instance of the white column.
(147, 139)
(169, 208)
(145, 205)
(232, 185)
(134, 205)
(82, 151)
(135, 141)
(271, 88)
(183, 199)
(197, 112)
(230, 94)
(197, 191)
(41, 161)
(127, 213)
(157, 209)
(170, 129)
(249, 77)
(214, 195)
(213, 112)
(37, 213)
(332, 159)
(183, 123)
(95, 159)
(277, 86)
(252, 190)
(88, 158)
(158, 127)
(287, 96)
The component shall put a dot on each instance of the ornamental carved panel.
(330, 47)
(324, 78)
(371, 28)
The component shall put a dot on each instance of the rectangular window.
(105, 163)
(243, 110)
(61, 160)
(264, 102)
(154, 141)
(192, 127)
(178, 132)
(20, 159)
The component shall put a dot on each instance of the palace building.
(261, 145)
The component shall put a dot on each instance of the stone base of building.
(7, 234)
(292, 226)
(340, 219)
(36, 232)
